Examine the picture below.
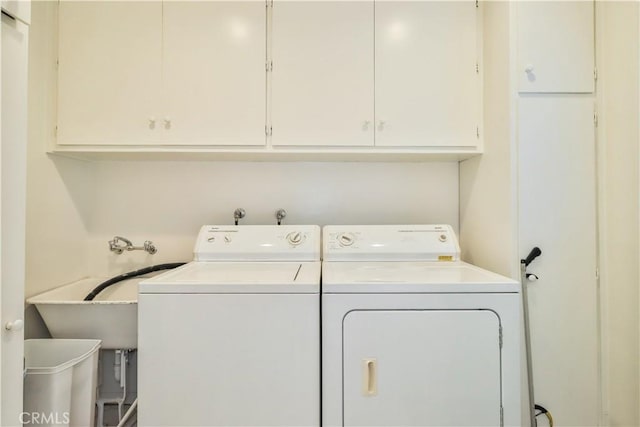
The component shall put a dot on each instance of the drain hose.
(104, 285)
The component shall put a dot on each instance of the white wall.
(167, 202)
(58, 190)
(618, 135)
(487, 187)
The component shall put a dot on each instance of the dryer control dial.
(346, 239)
(295, 238)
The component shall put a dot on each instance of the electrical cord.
(104, 285)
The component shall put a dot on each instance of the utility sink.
(111, 317)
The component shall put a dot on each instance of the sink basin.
(111, 317)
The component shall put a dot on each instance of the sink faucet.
(116, 246)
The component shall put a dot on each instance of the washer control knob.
(227, 239)
(211, 239)
(442, 238)
(346, 239)
(295, 238)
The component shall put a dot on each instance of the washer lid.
(412, 277)
(237, 277)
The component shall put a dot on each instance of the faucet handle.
(150, 247)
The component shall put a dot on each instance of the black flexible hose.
(104, 285)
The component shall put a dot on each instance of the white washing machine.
(411, 335)
(233, 338)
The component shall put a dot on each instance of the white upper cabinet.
(109, 75)
(214, 85)
(19, 9)
(323, 71)
(555, 46)
(427, 86)
(399, 76)
(179, 73)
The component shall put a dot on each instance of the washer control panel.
(258, 243)
(390, 243)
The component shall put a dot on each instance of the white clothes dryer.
(233, 338)
(411, 335)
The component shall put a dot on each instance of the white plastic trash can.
(61, 378)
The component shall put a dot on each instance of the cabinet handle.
(167, 123)
(381, 124)
(365, 125)
(16, 325)
(370, 380)
(528, 69)
(152, 122)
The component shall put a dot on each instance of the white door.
(214, 82)
(322, 79)
(12, 215)
(555, 46)
(422, 368)
(557, 212)
(109, 72)
(427, 87)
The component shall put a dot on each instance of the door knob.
(16, 325)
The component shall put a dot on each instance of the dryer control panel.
(390, 243)
(258, 243)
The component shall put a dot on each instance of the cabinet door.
(19, 9)
(322, 80)
(109, 72)
(557, 211)
(427, 84)
(214, 73)
(555, 46)
(421, 368)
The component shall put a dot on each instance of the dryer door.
(422, 368)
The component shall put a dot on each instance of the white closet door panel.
(427, 87)
(109, 72)
(557, 210)
(214, 73)
(555, 46)
(13, 143)
(322, 78)
(428, 368)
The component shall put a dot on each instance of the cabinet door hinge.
(268, 130)
(595, 118)
(478, 132)
(500, 339)
(477, 68)
(477, 3)
(595, 74)
(269, 66)
(55, 131)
